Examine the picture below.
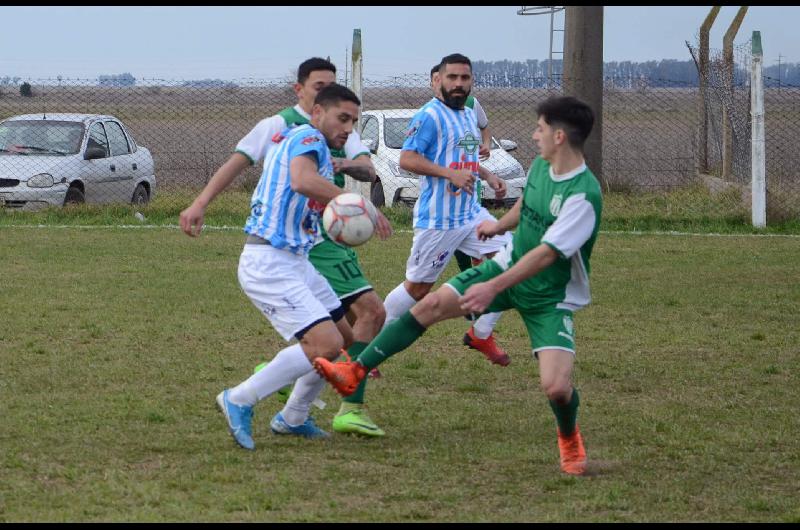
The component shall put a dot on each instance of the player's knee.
(418, 291)
(558, 390)
(370, 309)
(431, 306)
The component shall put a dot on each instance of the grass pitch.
(115, 341)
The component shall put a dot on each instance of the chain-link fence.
(83, 140)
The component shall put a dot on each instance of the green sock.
(567, 414)
(395, 337)
(357, 397)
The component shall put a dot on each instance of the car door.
(99, 176)
(123, 166)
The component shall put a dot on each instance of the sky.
(240, 42)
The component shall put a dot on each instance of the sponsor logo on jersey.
(308, 140)
(413, 129)
(311, 222)
(278, 138)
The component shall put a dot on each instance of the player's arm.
(483, 125)
(494, 182)
(565, 237)
(360, 169)
(191, 219)
(416, 163)
(509, 221)
(304, 178)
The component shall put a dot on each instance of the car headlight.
(42, 180)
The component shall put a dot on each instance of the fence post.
(702, 102)
(730, 73)
(357, 84)
(759, 168)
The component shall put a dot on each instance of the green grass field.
(115, 341)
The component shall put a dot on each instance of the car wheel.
(74, 196)
(140, 195)
(376, 194)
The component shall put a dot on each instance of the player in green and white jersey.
(543, 273)
(338, 264)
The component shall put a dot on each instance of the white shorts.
(432, 249)
(286, 288)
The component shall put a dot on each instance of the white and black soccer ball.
(349, 219)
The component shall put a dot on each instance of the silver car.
(57, 159)
(384, 131)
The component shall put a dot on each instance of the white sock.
(485, 324)
(305, 391)
(396, 303)
(290, 364)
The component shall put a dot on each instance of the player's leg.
(276, 283)
(552, 337)
(341, 268)
(431, 251)
(368, 314)
(480, 335)
(400, 334)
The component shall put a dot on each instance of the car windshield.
(40, 137)
(394, 132)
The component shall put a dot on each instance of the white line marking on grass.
(604, 232)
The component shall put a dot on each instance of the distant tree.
(117, 80)
(25, 90)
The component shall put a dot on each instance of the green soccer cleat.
(353, 418)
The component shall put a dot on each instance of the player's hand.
(478, 297)
(484, 152)
(487, 229)
(191, 220)
(338, 164)
(463, 179)
(382, 226)
(498, 185)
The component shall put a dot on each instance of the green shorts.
(339, 265)
(548, 326)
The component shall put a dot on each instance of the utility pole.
(583, 73)
(779, 71)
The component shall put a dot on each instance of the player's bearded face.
(455, 98)
(456, 84)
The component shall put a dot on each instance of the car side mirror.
(370, 144)
(508, 145)
(94, 152)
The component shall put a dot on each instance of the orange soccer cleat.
(343, 376)
(573, 454)
(488, 347)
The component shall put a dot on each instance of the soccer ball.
(349, 219)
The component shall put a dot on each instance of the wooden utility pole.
(583, 72)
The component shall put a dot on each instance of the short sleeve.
(421, 135)
(573, 226)
(354, 147)
(259, 140)
(483, 120)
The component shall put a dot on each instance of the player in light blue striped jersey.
(442, 146)
(274, 270)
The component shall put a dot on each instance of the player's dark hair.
(311, 65)
(571, 115)
(333, 94)
(454, 58)
(435, 69)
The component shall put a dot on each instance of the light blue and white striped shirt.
(285, 218)
(449, 138)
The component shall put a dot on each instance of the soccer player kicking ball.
(543, 273)
(339, 265)
(274, 270)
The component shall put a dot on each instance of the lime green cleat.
(283, 393)
(352, 418)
